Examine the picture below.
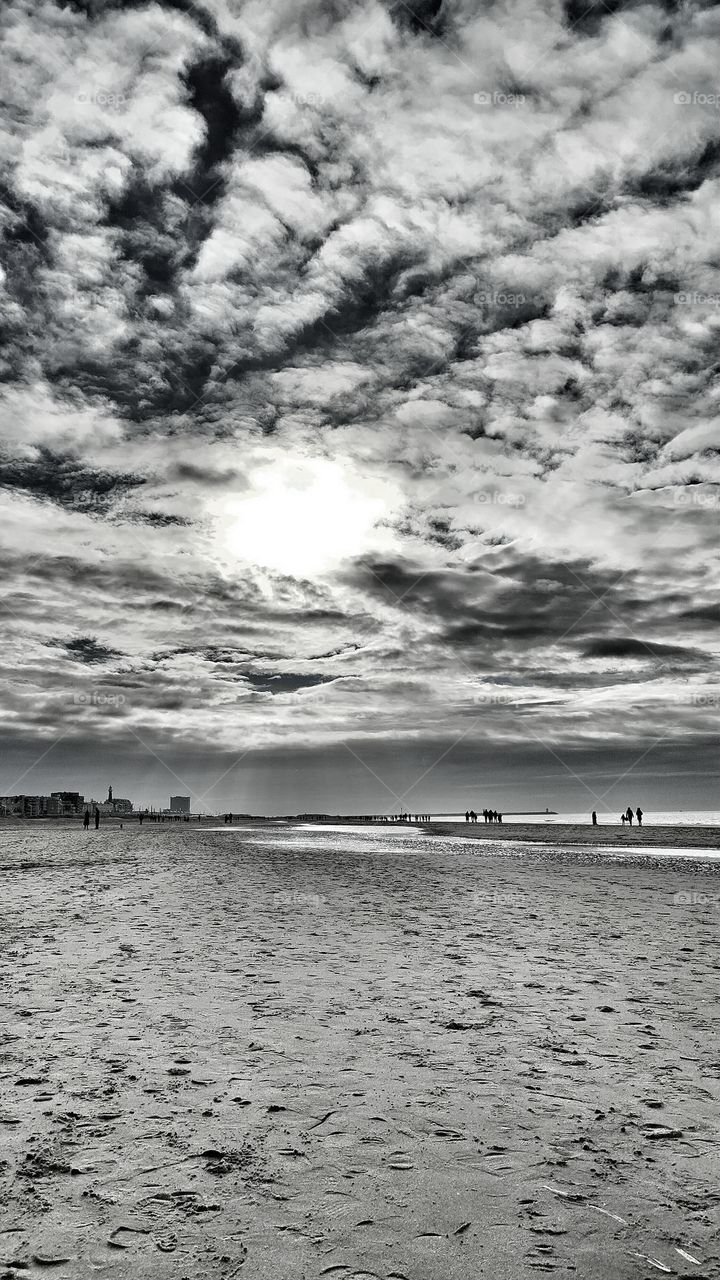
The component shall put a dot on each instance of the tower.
(109, 799)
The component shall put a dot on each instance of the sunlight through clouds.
(303, 518)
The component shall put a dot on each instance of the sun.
(303, 518)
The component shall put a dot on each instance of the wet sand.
(223, 1059)
(675, 837)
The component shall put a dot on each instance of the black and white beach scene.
(360, 485)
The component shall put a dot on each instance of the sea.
(662, 818)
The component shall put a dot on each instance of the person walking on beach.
(467, 815)
(594, 818)
(629, 814)
(86, 819)
(639, 816)
(97, 819)
(622, 818)
(499, 817)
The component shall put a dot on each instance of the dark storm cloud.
(282, 681)
(627, 647)
(66, 480)
(704, 614)
(87, 649)
(160, 519)
(205, 476)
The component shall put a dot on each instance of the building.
(31, 806)
(114, 806)
(10, 806)
(179, 804)
(62, 804)
(71, 801)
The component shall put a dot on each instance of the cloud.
(373, 342)
(87, 649)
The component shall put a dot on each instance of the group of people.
(86, 819)
(627, 816)
(395, 817)
(489, 815)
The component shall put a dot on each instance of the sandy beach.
(418, 1060)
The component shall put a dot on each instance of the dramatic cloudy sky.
(360, 402)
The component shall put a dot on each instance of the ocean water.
(669, 817)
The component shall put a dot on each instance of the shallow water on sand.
(374, 841)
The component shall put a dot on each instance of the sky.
(359, 403)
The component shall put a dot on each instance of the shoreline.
(633, 838)
(555, 835)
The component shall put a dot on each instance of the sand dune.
(221, 1059)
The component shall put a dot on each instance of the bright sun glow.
(301, 519)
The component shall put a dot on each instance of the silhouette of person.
(141, 818)
(467, 815)
(97, 819)
(622, 818)
(86, 819)
(499, 817)
(639, 816)
(594, 818)
(629, 814)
